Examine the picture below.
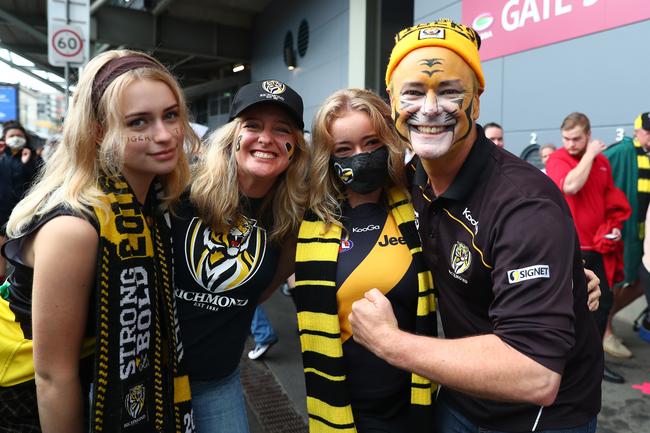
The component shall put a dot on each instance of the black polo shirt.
(505, 260)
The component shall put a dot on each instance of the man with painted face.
(522, 352)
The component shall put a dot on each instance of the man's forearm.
(577, 177)
(483, 366)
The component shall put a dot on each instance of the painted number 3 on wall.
(620, 133)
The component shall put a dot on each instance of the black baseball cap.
(268, 91)
(642, 121)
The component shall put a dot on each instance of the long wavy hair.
(93, 141)
(215, 189)
(326, 189)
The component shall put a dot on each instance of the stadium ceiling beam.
(216, 85)
(15, 48)
(162, 6)
(167, 34)
(33, 75)
(24, 49)
(24, 26)
(94, 7)
(182, 62)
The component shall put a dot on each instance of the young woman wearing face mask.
(359, 233)
(18, 167)
(90, 303)
(234, 240)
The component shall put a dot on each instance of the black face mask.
(364, 172)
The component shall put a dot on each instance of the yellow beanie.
(445, 33)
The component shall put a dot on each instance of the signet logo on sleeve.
(529, 273)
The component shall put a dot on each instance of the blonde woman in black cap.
(90, 300)
(232, 241)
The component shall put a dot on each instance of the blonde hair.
(325, 186)
(215, 189)
(93, 141)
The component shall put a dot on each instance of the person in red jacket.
(584, 175)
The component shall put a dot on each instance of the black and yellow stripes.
(328, 404)
(139, 373)
(643, 185)
(402, 211)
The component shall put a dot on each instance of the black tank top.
(16, 309)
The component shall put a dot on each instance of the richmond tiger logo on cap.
(274, 87)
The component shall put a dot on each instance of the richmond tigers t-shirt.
(219, 278)
(373, 253)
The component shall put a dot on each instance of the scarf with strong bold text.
(317, 252)
(139, 384)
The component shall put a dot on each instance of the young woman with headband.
(90, 304)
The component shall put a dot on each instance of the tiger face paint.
(434, 99)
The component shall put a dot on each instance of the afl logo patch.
(273, 87)
(219, 262)
(346, 245)
(461, 258)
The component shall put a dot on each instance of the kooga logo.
(529, 273)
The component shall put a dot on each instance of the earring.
(238, 144)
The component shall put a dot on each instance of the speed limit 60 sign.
(66, 45)
(68, 31)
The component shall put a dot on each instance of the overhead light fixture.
(289, 52)
(238, 68)
(290, 58)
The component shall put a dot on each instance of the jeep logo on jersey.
(273, 87)
(529, 273)
(219, 262)
(461, 258)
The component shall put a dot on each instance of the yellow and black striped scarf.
(317, 251)
(138, 385)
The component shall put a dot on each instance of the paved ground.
(625, 407)
(276, 394)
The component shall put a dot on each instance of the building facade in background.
(585, 64)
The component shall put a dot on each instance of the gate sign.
(8, 102)
(511, 26)
(66, 45)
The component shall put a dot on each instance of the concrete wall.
(604, 75)
(324, 68)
